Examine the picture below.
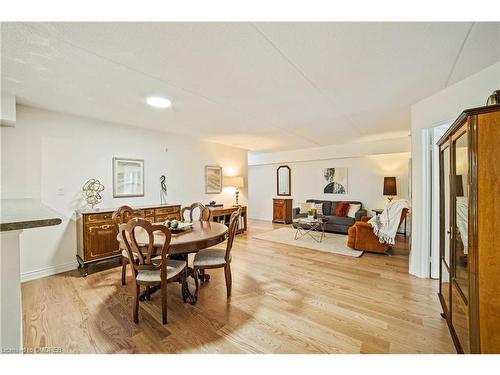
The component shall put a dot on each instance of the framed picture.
(335, 180)
(213, 179)
(128, 177)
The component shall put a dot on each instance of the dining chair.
(122, 216)
(151, 269)
(216, 257)
(204, 214)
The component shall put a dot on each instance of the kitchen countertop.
(17, 214)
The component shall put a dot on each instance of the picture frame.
(128, 177)
(213, 179)
(335, 180)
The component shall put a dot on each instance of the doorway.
(435, 134)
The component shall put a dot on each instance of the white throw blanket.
(385, 225)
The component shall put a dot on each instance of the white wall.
(439, 108)
(365, 181)
(49, 156)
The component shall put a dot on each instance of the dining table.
(201, 235)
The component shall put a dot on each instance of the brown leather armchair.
(361, 237)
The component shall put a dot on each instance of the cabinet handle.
(105, 226)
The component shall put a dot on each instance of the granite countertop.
(16, 214)
(98, 210)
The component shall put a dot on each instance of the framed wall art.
(128, 177)
(335, 180)
(213, 179)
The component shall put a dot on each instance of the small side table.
(378, 211)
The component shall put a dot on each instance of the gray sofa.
(338, 224)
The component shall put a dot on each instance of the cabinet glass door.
(445, 242)
(460, 231)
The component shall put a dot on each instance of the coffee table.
(310, 226)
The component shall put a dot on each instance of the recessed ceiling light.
(159, 102)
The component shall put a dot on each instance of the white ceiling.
(259, 86)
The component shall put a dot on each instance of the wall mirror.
(128, 177)
(284, 181)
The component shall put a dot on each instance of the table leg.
(187, 296)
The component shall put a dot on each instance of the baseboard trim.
(47, 271)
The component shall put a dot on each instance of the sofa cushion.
(327, 205)
(341, 220)
(353, 208)
(305, 207)
(342, 208)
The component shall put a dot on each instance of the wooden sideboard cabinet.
(96, 232)
(469, 257)
(282, 210)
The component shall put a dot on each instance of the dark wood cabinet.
(469, 258)
(96, 232)
(282, 210)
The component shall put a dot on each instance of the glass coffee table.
(313, 227)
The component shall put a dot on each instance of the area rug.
(332, 242)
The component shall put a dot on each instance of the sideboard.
(96, 232)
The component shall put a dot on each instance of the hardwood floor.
(285, 300)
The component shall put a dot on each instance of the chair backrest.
(233, 227)
(204, 212)
(123, 214)
(129, 233)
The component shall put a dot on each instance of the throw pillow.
(353, 208)
(305, 207)
(342, 208)
(319, 208)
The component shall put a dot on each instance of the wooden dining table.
(203, 234)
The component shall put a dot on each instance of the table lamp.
(236, 182)
(390, 187)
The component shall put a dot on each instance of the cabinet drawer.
(91, 218)
(223, 212)
(149, 212)
(166, 210)
(281, 202)
(160, 218)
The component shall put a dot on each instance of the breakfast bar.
(16, 215)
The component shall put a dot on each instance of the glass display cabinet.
(469, 288)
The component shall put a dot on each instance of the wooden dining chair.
(204, 214)
(122, 216)
(151, 269)
(216, 257)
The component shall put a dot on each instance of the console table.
(223, 214)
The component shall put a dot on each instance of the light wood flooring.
(285, 300)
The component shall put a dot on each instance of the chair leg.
(184, 286)
(124, 270)
(229, 281)
(136, 303)
(164, 302)
(148, 293)
(196, 282)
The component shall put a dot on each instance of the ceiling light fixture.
(158, 102)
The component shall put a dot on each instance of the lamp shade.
(234, 181)
(390, 186)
